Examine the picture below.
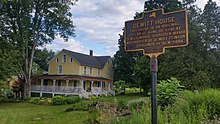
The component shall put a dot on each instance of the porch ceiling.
(70, 77)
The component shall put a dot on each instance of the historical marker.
(152, 33)
(156, 31)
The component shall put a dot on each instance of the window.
(71, 60)
(57, 60)
(90, 71)
(109, 62)
(64, 58)
(108, 72)
(99, 72)
(60, 69)
(84, 70)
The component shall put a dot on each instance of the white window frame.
(59, 69)
(57, 60)
(90, 70)
(108, 72)
(64, 58)
(71, 60)
(99, 71)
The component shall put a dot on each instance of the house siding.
(68, 68)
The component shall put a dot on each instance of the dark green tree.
(28, 24)
(167, 5)
(142, 73)
(123, 63)
(42, 57)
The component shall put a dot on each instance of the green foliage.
(190, 108)
(122, 104)
(28, 24)
(58, 100)
(72, 99)
(168, 5)
(120, 87)
(190, 102)
(138, 103)
(167, 91)
(80, 106)
(142, 73)
(42, 57)
(40, 101)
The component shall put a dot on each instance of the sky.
(99, 23)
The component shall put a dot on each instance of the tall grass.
(189, 108)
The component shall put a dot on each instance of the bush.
(167, 91)
(58, 100)
(72, 99)
(138, 103)
(34, 100)
(6, 100)
(190, 102)
(122, 104)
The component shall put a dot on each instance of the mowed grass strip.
(25, 113)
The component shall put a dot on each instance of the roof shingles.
(88, 60)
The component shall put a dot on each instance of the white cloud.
(102, 20)
(71, 44)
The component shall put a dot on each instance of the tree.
(123, 63)
(28, 24)
(167, 5)
(42, 57)
(210, 20)
(142, 73)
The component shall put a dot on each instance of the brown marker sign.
(156, 31)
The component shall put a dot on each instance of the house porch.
(84, 86)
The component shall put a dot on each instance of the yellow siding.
(74, 68)
(104, 70)
(69, 68)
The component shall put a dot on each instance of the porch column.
(41, 86)
(81, 84)
(54, 83)
(67, 83)
(91, 84)
(101, 84)
(109, 86)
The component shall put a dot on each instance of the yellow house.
(72, 73)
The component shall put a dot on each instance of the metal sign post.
(152, 33)
(154, 69)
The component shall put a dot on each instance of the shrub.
(6, 100)
(72, 99)
(167, 91)
(122, 104)
(190, 102)
(138, 103)
(120, 87)
(58, 100)
(34, 100)
(80, 106)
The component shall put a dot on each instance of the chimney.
(91, 52)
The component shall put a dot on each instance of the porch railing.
(96, 91)
(63, 89)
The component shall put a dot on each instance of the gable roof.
(88, 60)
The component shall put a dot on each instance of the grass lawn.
(25, 113)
